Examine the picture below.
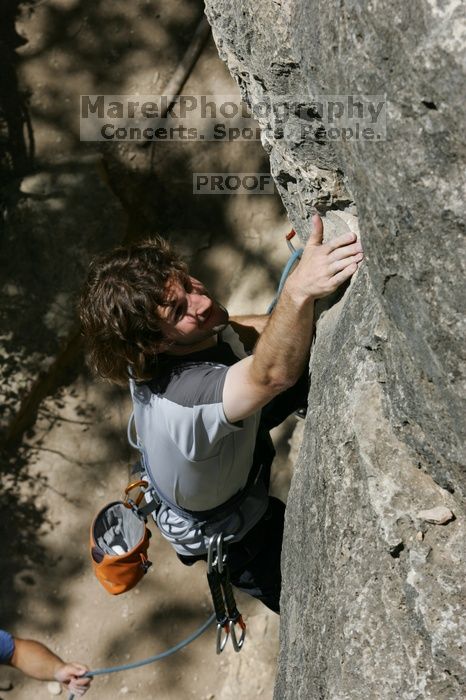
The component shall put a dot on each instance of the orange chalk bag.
(119, 540)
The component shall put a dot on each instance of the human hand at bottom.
(70, 675)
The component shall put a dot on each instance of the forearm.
(35, 660)
(283, 348)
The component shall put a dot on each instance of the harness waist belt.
(263, 454)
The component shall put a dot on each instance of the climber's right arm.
(283, 347)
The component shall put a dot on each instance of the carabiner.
(237, 643)
(210, 554)
(220, 561)
(215, 554)
(129, 502)
(221, 643)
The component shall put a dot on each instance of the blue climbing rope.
(295, 255)
(151, 659)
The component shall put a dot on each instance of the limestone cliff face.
(372, 590)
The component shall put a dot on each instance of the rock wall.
(372, 588)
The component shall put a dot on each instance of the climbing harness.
(195, 528)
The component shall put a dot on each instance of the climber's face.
(192, 317)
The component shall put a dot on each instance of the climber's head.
(140, 301)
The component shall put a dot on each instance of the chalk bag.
(119, 543)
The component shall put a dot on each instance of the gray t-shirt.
(193, 454)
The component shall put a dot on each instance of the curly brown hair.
(118, 308)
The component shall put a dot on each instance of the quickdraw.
(226, 611)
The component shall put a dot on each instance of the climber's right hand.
(324, 266)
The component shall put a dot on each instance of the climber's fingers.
(323, 266)
(343, 275)
(345, 251)
(339, 265)
(340, 241)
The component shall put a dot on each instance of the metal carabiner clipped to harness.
(215, 556)
(131, 503)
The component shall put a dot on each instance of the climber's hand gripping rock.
(282, 351)
(324, 266)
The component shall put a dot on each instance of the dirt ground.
(75, 457)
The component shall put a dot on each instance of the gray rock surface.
(373, 595)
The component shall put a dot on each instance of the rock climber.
(208, 388)
(37, 661)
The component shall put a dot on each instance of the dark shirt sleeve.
(7, 647)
